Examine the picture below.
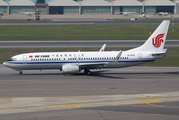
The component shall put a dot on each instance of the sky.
(46, 1)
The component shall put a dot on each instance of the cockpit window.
(11, 59)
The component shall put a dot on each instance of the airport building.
(95, 7)
(124, 6)
(19, 6)
(161, 6)
(63, 7)
(3, 7)
(89, 6)
(42, 8)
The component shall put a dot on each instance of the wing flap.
(92, 64)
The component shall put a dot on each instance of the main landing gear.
(87, 72)
(20, 72)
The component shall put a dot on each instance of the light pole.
(143, 9)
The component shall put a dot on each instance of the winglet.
(102, 48)
(118, 56)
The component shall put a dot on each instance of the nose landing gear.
(20, 72)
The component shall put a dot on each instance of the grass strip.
(81, 32)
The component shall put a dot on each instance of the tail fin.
(157, 40)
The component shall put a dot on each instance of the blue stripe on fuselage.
(45, 62)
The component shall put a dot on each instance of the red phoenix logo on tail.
(156, 41)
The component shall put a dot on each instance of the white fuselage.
(55, 60)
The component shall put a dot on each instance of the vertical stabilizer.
(157, 40)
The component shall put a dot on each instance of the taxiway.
(110, 94)
(92, 43)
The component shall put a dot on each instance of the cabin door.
(140, 56)
(24, 59)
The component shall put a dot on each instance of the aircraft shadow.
(101, 73)
(105, 74)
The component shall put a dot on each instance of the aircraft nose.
(8, 64)
(5, 64)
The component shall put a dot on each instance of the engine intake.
(70, 69)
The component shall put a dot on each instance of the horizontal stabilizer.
(159, 53)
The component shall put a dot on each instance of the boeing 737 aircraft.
(74, 62)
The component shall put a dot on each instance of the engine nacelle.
(70, 69)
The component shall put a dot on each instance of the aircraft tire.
(20, 73)
(87, 72)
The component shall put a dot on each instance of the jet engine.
(70, 69)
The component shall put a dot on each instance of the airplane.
(74, 62)
(163, 13)
(143, 15)
(124, 13)
(29, 13)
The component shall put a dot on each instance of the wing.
(99, 64)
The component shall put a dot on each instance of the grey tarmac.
(83, 19)
(134, 93)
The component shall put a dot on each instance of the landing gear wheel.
(20, 73)
(87, 72)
